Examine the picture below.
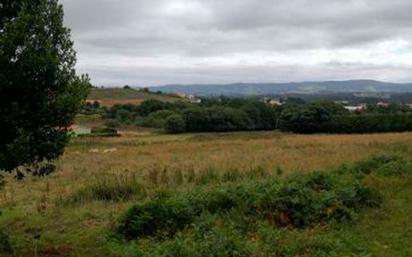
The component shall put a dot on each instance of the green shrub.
(232, 175)
(175, 124)
(369, 123)
(398, 167)
(214, 243)
(156, 119)
(370, 165)
(298, 202)
(162, 215)
(104, 132)
(5, 245)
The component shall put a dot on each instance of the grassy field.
(111, 96)
(75, 210)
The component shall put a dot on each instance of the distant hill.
(323, 87)
(112, 96)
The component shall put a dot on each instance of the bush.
(376, 162)
(104, 132)
(310, 117)
(196, 120)
(399, 168)
(175, 124)
(156, 119)
(5, 245)
(298, 202)
(151, 106)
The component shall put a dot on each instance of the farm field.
(74, 211)
(111, 96)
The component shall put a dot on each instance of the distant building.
(196, 101)
(409, 105)
(382, 104)
(342, 102)
(356, 108)
(192, 98)
(275, 102)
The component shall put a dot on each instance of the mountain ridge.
(305, 87)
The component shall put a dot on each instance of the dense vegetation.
(209, 116)
(254, 217)
(40, 93)
(232, 114)
(328, 117)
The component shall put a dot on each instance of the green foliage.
(309, 118)
(214, 243)
(150, 106)
(226, 114)
(213, 115)
(376, 162)
(175, 124)
(92, 108)
(369, 123)
(328, 117)
(390, 109)
(298, 202)
(104, 132)
(39, 91)
(157, 119)
(5, 245)
(398, 168)
(303, 215)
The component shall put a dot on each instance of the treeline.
(228, 114)
(328, 117)
(214, 115)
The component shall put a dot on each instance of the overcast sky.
(155, 42)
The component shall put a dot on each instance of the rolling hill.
(323, 87)
(112, 96)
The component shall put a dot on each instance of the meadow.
(76, 210)
(111, 96)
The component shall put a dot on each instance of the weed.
(109, 188)
(232, 175)
(191, 175)
(298, 202)
(5, 245)
(207, 176)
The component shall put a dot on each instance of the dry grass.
(222, 152)
(141, 153)
(160, 160)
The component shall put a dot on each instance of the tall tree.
(39, 90)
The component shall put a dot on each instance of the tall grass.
(108, 188)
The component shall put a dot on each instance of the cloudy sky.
(155, 42)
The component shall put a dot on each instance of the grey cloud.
(213, 28)
(148, 76)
